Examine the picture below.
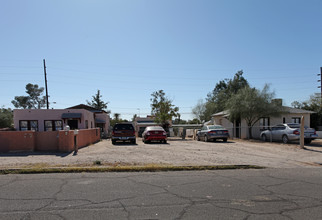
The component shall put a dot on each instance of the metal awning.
(100, 121)
(71, 115)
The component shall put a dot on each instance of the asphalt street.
(227, 194)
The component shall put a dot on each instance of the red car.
(154, 133)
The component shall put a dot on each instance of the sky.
(128, 49)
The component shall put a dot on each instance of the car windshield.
(294, 125)
(215, 127)
(155, 128)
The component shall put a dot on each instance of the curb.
(123, 169)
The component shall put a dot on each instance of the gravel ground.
(177, 152)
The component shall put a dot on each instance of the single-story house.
(76, 117)
(140, 123)
(239, 129)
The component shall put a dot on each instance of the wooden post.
(302, 133)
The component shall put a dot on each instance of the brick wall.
(63, 141)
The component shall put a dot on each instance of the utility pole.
(46, 84)
(320, 80)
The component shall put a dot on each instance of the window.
(23, 125)
(278, 127)
(48, 125)
(264, 123)
(28, 125)
(53, 125)
(86, 124)
(296, 120)
(58, 125)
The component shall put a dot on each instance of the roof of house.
(87, 107)
(223, 113)
(296, 110)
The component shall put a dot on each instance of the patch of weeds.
(97, 163)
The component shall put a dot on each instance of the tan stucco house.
(239, 129)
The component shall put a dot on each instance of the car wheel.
(133, 141)
(224, 140)
(113, 141)
(198, 138)
(164, 141)
(285, 139)
(307, 141)
(206, 138)
(264, 138)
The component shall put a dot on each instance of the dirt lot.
(178, 152)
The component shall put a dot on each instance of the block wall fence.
(63, 141)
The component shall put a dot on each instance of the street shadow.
(156, 143)
(124, 144)
(35, 153)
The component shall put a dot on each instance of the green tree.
(117, 119)
(224, 89)
(97, 102)
(6, 118)
(162, 109)
(313, 104)
(34, 100)
(198, 110)
(252, 104)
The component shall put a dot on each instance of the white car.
(288, 132)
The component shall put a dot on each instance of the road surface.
(227, 194)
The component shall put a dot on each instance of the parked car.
(154, 133)
(288, 132)
(123, 132)
(212, 133)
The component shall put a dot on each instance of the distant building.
(140, 123)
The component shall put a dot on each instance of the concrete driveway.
(177, 152)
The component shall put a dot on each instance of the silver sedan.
(213, 132)
(288, 132)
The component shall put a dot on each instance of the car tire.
(164, 141)
(285, 139)
(113, 142)
(307, 141)
(198, 138)
(133, 141)
(264, 138)
(206, 138)
(224, 140)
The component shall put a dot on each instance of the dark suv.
(123, 132)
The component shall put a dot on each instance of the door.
(73, 124)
